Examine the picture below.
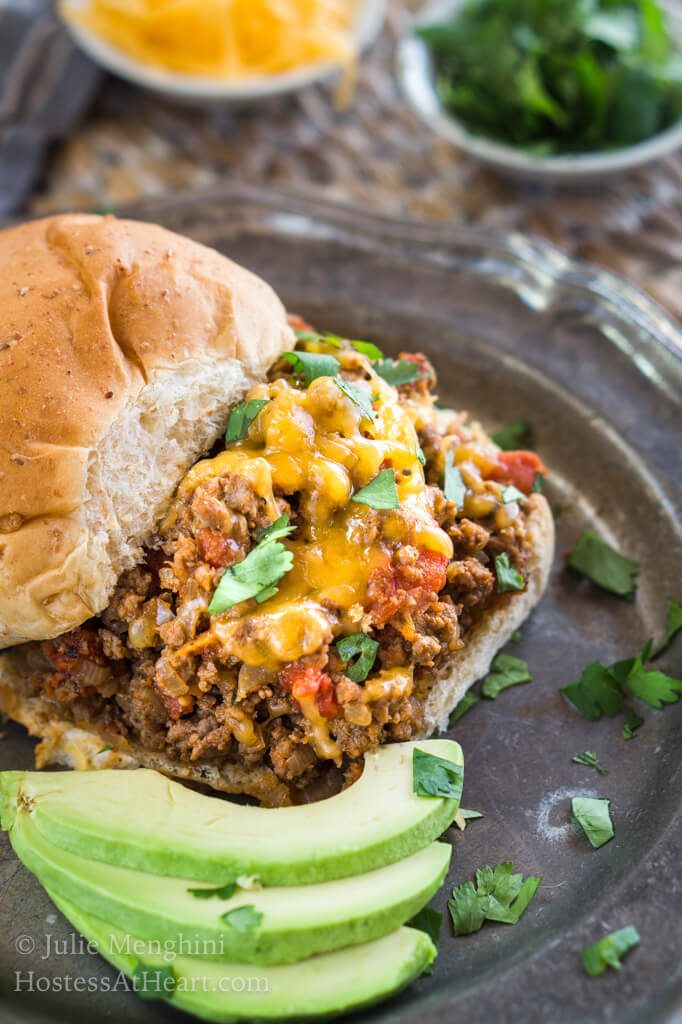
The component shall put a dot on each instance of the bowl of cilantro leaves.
(565, 90)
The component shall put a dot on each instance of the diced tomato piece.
(391, 585)
(519, 468)
(307, 681)
(326, 698)
(217, 549)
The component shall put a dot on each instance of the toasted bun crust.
(63, 743)
(122, 347)
(496, 628)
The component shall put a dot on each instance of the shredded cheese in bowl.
(228, 39)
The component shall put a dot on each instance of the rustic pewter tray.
(514, 328)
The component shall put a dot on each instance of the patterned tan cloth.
(373, 153)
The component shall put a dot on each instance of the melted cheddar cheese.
(316, 443)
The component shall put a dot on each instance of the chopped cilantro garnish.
(463, 816)
(151, 981)
(434, 776)
(105, 749)
(454, 487)
(312, 365)
(599, 562)
(512, 435)
(359, 395)
(358, 643)
(596, 693)
(398, 371)
(652, 686)
(256, 575)
(499, 895)
(243, 919)
(420, 455)
(511, 493)
(633, 722)
(607, 952)
(590, 760)
(508, 576)
(367, 348)
(241, 418)
(469, 815)
(381, 492)
(220, 892)
(592, 814)
(465, 704)
(537, 483)
(506, 671)
(673, 625)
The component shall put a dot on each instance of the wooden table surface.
(373, 153)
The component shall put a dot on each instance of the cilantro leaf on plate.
(633, 722)
(606, 952)
(381, 492)
(599, 562)
(434, 776)
(673, 625)
(357, 643)
(312, 365)
(243, 919)
(506, 671)
(256, 575)
(654, 687)
(464, 705)
(420, 455)
(537, 483)
(398, 371)
(508, 576)
(592, 814)
(241, 418)
(466, 910)
(220, 892)
(590, 760)
(512, 435)
(500, 895)
(596, 693)
(463, 815)
(359, 395)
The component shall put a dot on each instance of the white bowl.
(206, 89)
(415, 71)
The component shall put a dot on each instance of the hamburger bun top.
(122, 348)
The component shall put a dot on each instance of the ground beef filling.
(151, 670)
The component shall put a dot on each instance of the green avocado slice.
(331, 983)
(296, 922)
(140, 819)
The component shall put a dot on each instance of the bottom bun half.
(64, 743)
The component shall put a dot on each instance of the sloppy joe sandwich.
(231, 548)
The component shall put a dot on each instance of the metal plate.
(514, 329)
